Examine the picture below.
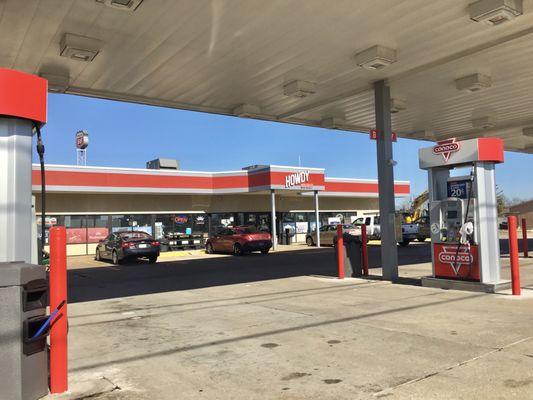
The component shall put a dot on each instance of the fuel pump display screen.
(452, 214)
(458, 189)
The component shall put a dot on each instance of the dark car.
(131, 244)
(239, 240)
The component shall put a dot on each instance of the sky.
(127, 135)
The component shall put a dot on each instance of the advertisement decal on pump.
(451, 262)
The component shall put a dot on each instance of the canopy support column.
(389, 251)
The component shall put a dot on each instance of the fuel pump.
(463, 212)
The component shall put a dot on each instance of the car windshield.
(134, 236)
(246, 229)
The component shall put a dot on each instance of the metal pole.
(273, 219)
(389, 251)
(513, 255)
(524, 238)
(317, 218)
(58, 294)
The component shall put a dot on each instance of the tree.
(501, 201)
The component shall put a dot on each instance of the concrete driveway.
(281, 327)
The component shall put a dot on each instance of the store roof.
(291, 61)
(282, 179)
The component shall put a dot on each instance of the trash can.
(23, 358)
(352, 256)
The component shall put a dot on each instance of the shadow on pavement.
(113, 281)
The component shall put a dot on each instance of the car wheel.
(114, 258)
(265, 251)
(237, 249)
(309, 241)
(209, 248)
(152, 259)
(404, 243)
(97, 255)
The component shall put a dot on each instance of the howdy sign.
(297, 179)
(451, 263)
(446, 148)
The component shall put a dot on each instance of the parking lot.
(282, 327)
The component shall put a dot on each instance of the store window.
(183, 224)
(76, 229)
(163, 225)
(221, 220)
(302, 222)
(50, 221)
(199, 223)
(121, 223)
(97, 228)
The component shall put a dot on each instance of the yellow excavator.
(419, 208)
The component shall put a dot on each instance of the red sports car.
(239, 240)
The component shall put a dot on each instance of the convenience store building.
(94, 201)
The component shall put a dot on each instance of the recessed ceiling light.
(397, 105)
(125, 5)
(56, 83)
(246, 110)
(332, 122)
(495, 12)
(486, 122)
(528, 132)
(473, 83)
(376, 57)
(79, 48)
(299, 88)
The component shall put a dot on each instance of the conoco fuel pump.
(463, 214)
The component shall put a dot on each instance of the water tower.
(82, 142)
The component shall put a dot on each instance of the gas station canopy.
(456, 68)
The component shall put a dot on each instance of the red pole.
(58, 293)
(364, 239)
(524, 237)
(513, 254)
(340, 251)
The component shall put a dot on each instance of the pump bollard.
(524, 238)
(513, 254)
(23, 358)
(58, 295)
(340, 251)
(351, 257)
(364, 249)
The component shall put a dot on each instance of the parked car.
(239, 240)
(373, 228)
(123, 245)
(328, 234)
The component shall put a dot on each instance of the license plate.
(143, 246)
(196, 242)
(184, 242)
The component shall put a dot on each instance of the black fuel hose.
(40, 152)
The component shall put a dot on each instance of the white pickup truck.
(373, 229)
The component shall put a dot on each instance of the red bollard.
(340, 251)
(58, 294)
(364, 251)
(524, 238)
(513, 255)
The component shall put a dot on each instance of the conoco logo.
(449, 255)
(446, 148)
(448, 258)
